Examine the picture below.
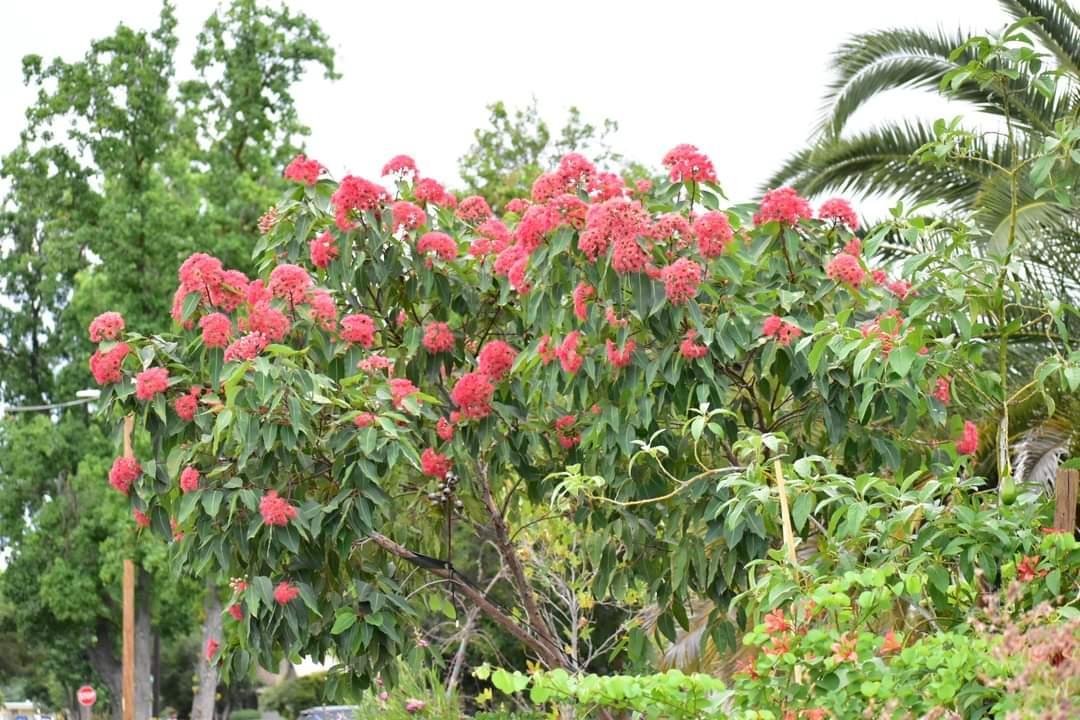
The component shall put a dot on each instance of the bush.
(291, 696)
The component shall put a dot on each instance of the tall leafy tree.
(119, 170)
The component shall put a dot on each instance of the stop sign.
(86, 695)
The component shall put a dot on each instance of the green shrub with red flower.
(410, 371)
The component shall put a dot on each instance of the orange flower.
(1027, 569)
(779, 646)
(844, 650)
(775, 622)
(891, 644)
(814, 714)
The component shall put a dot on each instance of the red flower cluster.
(565, 433)
(681, 280)
(472, 394)
(969, 441)
(355, 195)
(784, 332)
(783, 205)
(323, 309)
(401, 388)
(187, 405)
(363, 420)
(438, 338)
(535, 224)
(266, 320)
(690, 349)
(285, 593)
(141, 518)
(685, 163)
(567, 352)
(431, 191)
(106, 326)
(474, 209)
(846, 268)
(714, 232)
(495, 359)
(839, 210)
(276, 510)
(212, 646)
(444, 429)
(494, 238)
(775, 622)
(237, 612)
(1028, 568)
(123, 473)
(247, 347)
(943, 389)
(290, 282)
(105, 366)
(673, 226)
(402, 166)
(439, 243)
(358, 329)
(582, 293)
(375, 362)
(189, 479)
(151, 382)
(216, 330)
(406, 215)
(303, 170)
(433, 464)
(619, 222)
(575, 171)
(323, 250)
(620, 358)
(569, 210)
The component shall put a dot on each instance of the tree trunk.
(157, 675)
(144, 647)
(202, 706)
(102, 657)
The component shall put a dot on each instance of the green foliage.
(518, 146)
(288, 698)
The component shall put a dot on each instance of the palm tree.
(880, 161)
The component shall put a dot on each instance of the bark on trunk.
(102, 657)
(144, 647)
(202, 706)
(157, 675)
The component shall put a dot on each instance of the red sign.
(86, 695)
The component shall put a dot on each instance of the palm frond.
(1058, 30)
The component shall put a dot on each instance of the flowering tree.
(411, 372)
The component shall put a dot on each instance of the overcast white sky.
(742, 80)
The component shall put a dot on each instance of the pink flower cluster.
(354, 196)
(565, 433)
(216, 330)
(401, 166)
(246, 347)
(358, 329)
(784, 332)
(968, 444)
(434, 464)
(189, 479)
(690, 349)
(105, 366)
(472, 395)
(685, 163)
(568, 355)
(285, 593)
(474, 209)
(276, 510)
(439, 243)
(123, 473)
(151, 382)
(303, 170)
(106, 326)
(582, 293)
(438, 338)
(846, 269)
(681, 280)
(713, 230)
(188, 404)
(495, 359)
(783, 205)
(620, 358)
(405, 215)
(289, 282)
(839, 211)
(322, 250)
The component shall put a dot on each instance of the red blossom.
(853, 247)
(431, 191)
(266, 320)
(439, 243)
(681, 280)
(606, 186)
(839, 210)
(620, 358)
(106, 326)
(713, 230)
(141, 519)
(290, 282)
(783, 205)
(685, 163)
(323, 249)
(189, 479)
(517, 206)
(323, 309)
(216, 330)
(943, 389)
(567, 353)
(364, 420)
(401, 388)
(582, 293)
(569, 210)
(186, 406)
(1028, 568)
(247, 347)
(123, 473)
(358, 329)
(406, 215)
(474, 209)
(212, 646)
(276, 510)
(775, 622)
(575, 171)
(355, 195)
(375, 362)
(237, 612)
(495, 359)
(673, 226)
(444, 429)
(433, 464)
(969, 442)
(534, 226)
(890, 644)
(105, 366)
(846, 268)
(230, 293)
(690, 349)
(303, 170)
(200, 273)
(285, 593)
(547, 186)
(151, 382)
(844, 649)
(402, 166)
(438, 338)
(472, 394)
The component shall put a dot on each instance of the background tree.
(119, 170)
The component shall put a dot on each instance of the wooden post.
(785, 514)
(128, 676)
(1065, 496)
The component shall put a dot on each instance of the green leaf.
(344, 619)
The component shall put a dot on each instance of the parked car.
(329, 712)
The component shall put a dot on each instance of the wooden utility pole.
(1066, 488)
(128, 678)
